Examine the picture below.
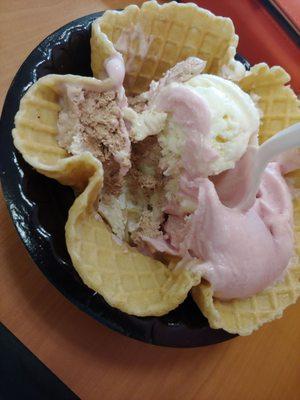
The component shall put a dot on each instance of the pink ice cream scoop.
(243, 253)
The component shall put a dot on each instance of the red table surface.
(262, 38)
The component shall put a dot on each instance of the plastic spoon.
(284, 140)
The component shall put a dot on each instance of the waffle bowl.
(83, 206)
(164, 35)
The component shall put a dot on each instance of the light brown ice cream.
(92, 121)
(145, 181)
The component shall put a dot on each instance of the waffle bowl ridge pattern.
(162, 36)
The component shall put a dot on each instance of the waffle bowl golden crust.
(164, 35)
(134, 283)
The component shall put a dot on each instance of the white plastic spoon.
(284, 140)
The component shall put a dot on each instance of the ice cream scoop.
(233, 120)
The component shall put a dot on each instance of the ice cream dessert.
(161, 193)
(153, 161)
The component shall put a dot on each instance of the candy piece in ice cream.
(179, 73)
(234, 119)
(114, 66)
(146, 123)
(144, 120)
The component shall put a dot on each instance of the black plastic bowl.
(39, 206)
